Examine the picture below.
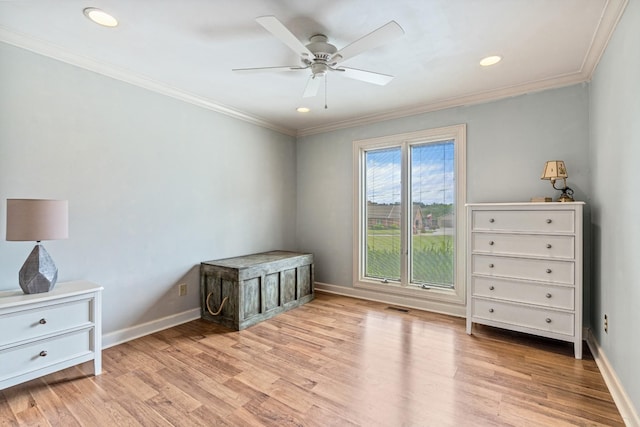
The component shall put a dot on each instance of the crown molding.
(56, 52)
(476, 98)
(609, 19)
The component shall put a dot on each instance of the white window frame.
(457, 133)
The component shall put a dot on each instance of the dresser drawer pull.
(548, 295)
(491, 310)
(43, 353)
(547, 320)
(43, 321)
(490, 265)
(549, 221)
(548, 245)
(491, 287)
(549, 270)
(492, 220)
(491, 243)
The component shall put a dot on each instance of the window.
(409, 213)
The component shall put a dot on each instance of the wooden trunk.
(254, 287)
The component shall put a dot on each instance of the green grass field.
(389, 240)
(432, 257)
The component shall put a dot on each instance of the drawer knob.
(490, 265)
(492, 220)
(548, 295)
(549, 270)
(43, 353)
(491, 310)
(491, 243)
(43, 321)
(548, 245)
(547, 320)
(491, 287)
(549, 221)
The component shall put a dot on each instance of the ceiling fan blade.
(365, 76)
(260, 69)
(384, 34)
(312, 87)
(277, 28)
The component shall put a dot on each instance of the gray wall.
(615, 202)
(508, 142)
(155, 185)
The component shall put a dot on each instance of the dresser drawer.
(29, 324)
(524, 316)
(524, 244)
(525, 221)
(43, 353)
(525, 292)
(551, 271)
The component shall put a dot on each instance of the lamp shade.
(37, 219)
(554, 169)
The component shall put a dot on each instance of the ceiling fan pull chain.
(326, 77)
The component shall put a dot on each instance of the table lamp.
(37, 220)
(554, 170)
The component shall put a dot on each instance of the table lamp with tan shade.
(553, 171)
(37, 220)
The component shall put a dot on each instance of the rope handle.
(221, 305)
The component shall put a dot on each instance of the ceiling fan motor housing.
(323, 52)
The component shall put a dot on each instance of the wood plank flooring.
(335, 361)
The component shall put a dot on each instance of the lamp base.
(565, 198)
(566, 195)
(39, 273)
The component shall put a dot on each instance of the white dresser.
(524, 268)
(46, 332)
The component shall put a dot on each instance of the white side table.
(47, 332)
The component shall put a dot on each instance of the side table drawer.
(528, 317)
(29, 324)
(40, 354)
(525, 292)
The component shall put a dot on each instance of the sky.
(432, 173)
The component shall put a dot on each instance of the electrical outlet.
(182, 289)
(606, 323)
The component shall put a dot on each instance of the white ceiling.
(187, 49)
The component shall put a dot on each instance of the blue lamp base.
(39, 273)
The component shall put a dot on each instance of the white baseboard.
(137, 331)
(435, 306)
(623, 402)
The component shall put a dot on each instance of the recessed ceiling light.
(302, 110)
(100, 17)
(490, 60)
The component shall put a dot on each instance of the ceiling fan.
(321, 57)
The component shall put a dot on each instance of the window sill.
(414, 291)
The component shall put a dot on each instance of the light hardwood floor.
(335, 361)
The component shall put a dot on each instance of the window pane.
(433, 214)
(383, 213)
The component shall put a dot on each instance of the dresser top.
(528, 204)
(65, 289)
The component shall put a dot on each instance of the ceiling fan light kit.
(321, 57)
